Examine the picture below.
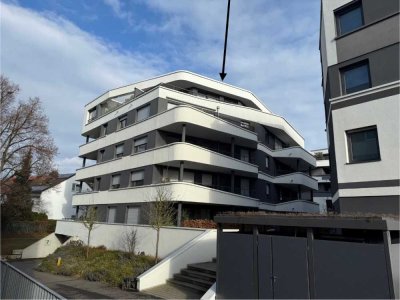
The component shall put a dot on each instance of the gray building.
(359, 47)
(216, 147)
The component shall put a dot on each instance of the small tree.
(319, 156)
(89, 219)
(160, 211)
(129, 242)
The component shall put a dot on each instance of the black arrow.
(223, 74)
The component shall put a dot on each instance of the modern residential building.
(216, 147)
(359, 46)
(322, 173)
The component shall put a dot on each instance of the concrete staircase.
(197, 277)
(191, 283)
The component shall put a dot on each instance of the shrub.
(200, 223)
(103, 265)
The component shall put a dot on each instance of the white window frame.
(139, 178)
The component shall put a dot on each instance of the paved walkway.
(73, 288)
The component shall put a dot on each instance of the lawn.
(108, 266)
(9, 242)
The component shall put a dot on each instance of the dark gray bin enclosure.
(300, 256)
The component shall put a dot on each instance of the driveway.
(73, 288)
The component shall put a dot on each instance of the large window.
(143, 113)
(349, 18)
(132, 215)
(355, 78)
(119, 150)
(363, 145)
(137, 178)
(140, 144)
(115, 181)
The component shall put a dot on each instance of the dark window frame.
(141, 147)
(142, 108)
(122, 121)
(341, 11)
(345, 69)
(118, 155)
(136, 182)
(115, 186)
(351, 160)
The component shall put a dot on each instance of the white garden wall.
(111, 236)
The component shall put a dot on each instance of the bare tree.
(89, 219)
(160, 211)
(23, 126)
(129, 241)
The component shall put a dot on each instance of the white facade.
(57, 200)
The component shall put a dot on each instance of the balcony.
(192, 155)
(296, 178)
(289, 155)
(184, 191)
(203, 124)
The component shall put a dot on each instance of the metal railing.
(18, 285)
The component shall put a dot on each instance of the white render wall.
(111, 236)
(57, 201)
(384, 113)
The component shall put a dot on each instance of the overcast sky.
(68, 52)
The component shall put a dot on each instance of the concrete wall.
(42, 248)
(111, 236)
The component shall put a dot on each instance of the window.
(267, 190)
(267, 137)
(363, 145)
(101, 155)
(97, 184)
(355, 78)
(119, 150)
(245, 124)
(115, 181)
(137, 178)
(112, 213)
(92, 114)
(267, 162)
(103, 130)
(349, 18)
(278, 144)
(122, 121)
(244, 155)
(245, 187)
(140, 144)
(75, 187)
(143, 113)
(132, 215)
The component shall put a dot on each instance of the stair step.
(17, 251)
(209, 268)
(194, 280)
(188, 285)
(201, 275)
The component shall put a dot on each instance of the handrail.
(15, 284)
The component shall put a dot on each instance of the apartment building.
(322, 173)
(359, 47)
(216, 147)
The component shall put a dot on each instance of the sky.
(69, 52)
